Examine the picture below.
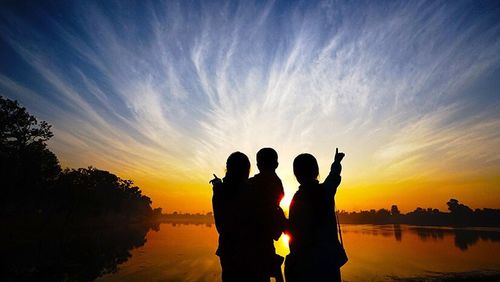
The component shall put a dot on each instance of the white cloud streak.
(171, 90)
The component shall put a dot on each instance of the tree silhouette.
(456, 208)
(27, 167)
(395, 211)
(18, 128)
(459, 215)
(90, 192)
(61, 225)
(37, 187)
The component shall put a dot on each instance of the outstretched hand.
(216, 181)
(338, 156)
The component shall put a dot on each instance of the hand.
(338, 156)
(216, 181)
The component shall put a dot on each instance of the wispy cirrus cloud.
(168, 90)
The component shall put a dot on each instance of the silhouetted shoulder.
(267, 187)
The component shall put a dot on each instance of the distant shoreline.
(486, 275)
(198, 218)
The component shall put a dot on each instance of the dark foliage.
(89, 192)
(37, 189)
(459, 215)
(62, 225)
(27, 167)
(18, 128)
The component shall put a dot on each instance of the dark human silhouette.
(314, 245)
(265, 192)
(230, 221)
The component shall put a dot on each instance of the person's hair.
(267, 158)
(305, 168)
(237, 167)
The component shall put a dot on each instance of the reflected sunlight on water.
(174, 253)
(187, 253)
(282, 245)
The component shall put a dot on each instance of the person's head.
(237, 167)
(305, 168)
(267, 159)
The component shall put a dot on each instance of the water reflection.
(62, 254)
(178, 252)
(412, 252)
(464, 238)
(186, 252)
(398, 234)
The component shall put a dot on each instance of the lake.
(376, 253)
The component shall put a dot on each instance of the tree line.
(458, 215)
(35, 187)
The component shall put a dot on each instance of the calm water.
(376, 253)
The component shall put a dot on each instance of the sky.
(161, 92)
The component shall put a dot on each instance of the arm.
(333, 179)
(218, 209)
(218, 204)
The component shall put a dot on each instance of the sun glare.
(285, 202)
(286, 239)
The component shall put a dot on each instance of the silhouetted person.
(312, 223)
(265, 193)
(228, 215)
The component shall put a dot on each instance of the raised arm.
(333, 179)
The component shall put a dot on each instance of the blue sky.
(162, 92)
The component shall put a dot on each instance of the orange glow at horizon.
(375, 175)
(363, 191)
